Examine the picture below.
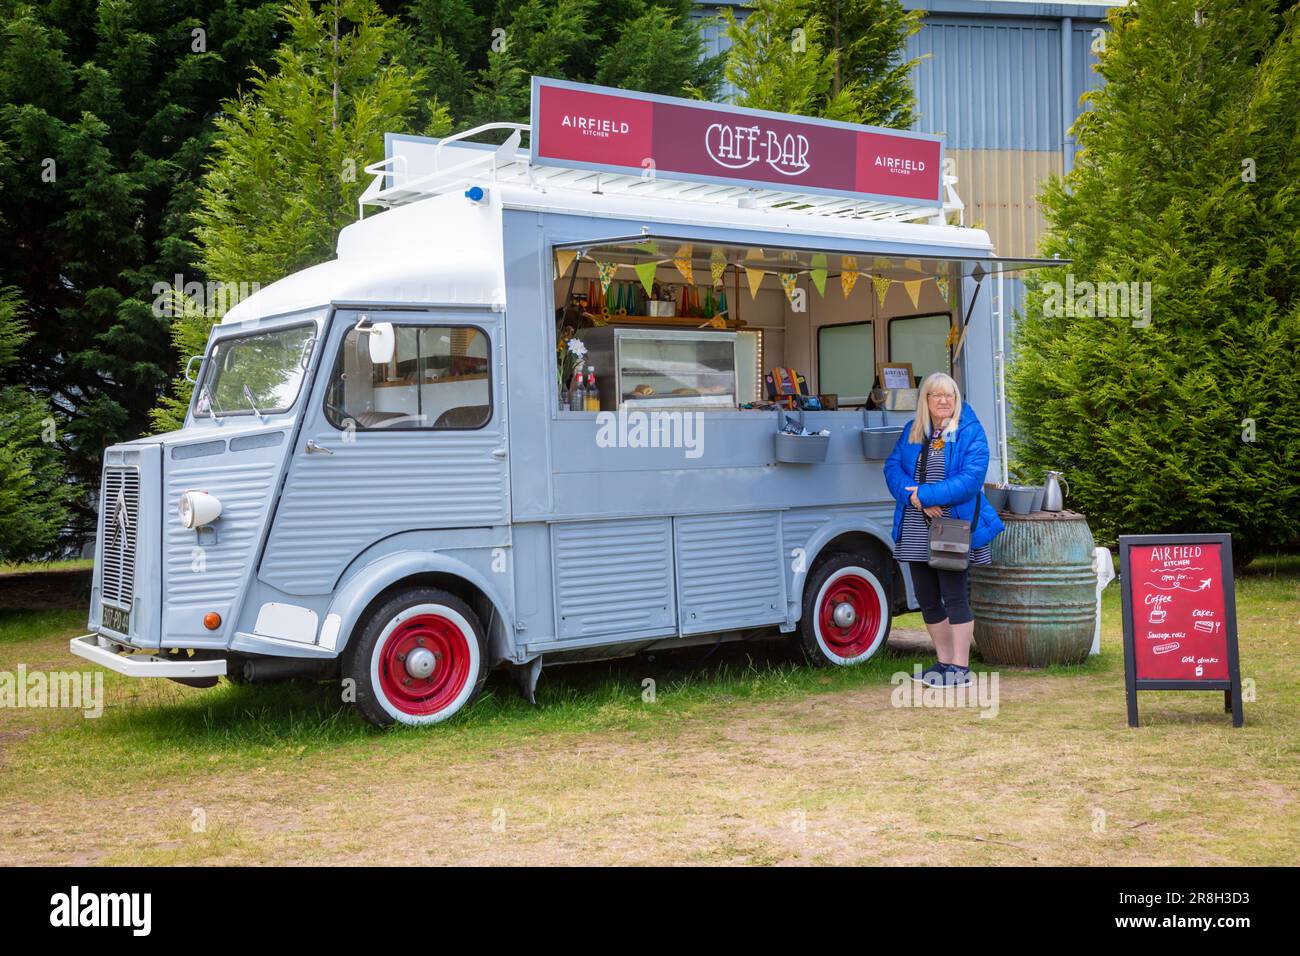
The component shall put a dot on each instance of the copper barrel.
(1036, 604)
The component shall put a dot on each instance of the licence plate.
(115, 619)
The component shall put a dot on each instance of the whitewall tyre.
(846, 610)
(419, 658)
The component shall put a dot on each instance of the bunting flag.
(754, 254)
(882, 264)
(953, 331)
(848, 274)
(650, 247)
(788, 282)
(563, 259)
(718, 265)
(913, 287)
(881, 284)
(717, 322)
(645, 271)
(818, 273)
(683, 263)
(913, 264)
(755, 279)
(941, 280)
(606, 271)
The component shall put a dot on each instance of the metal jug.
(1053, 500)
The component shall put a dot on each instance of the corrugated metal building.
(1001, 81)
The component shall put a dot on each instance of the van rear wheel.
(846, 613)
(418, 658)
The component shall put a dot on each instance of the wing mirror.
(383, 343)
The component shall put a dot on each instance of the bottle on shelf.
(592, 393)
(577, 393)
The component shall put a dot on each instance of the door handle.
(315, 449)
(498, 453)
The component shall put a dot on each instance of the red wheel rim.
(855, 640)
(424, 695)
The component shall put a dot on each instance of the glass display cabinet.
(663, 368)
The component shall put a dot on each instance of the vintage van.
(377, 481)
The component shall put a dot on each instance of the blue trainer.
(934, 676)
(955, 676)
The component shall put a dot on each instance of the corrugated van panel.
(729, 571)
(612, 576)
(333, 506)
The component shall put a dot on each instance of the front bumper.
(142, 665)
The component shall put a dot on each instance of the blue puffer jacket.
(966, 463)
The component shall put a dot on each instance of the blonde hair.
(921, 425)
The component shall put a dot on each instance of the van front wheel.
(419, 658)
(845, 610)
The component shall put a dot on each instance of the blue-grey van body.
(571, 550)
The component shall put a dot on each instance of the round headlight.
(198, 508)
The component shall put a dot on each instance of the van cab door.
(416, 442)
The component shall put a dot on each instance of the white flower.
(577, 348)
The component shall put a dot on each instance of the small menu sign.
(1180, 617)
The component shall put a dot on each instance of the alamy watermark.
(211, 299)
(78, 690)
(1124, 300)
(910, 692)
(636, 428)
(74, 908)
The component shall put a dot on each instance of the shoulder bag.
(949, 537)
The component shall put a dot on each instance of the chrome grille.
(119, 523)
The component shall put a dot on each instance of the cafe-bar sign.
(596, 127)
(1180, 617)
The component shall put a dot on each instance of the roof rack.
(419, 167)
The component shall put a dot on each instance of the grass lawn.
(72, 564)
(744, 755)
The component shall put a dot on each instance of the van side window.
(921, 340)
(439, 377)
(846, 360)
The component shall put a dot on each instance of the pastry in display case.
(663, 368)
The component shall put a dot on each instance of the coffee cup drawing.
(1157, 616)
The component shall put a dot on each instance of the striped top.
(915, 533)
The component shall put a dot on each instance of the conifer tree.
(840, 60)
(1176, 418)
(289, 156)
(34, 490)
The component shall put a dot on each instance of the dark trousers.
(942, 594)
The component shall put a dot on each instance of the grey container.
(800, 449)
(1020, 499)
(1039, 492)
(996, 496)
(878, 441)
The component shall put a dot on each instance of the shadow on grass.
(626, 692)
(249, 723)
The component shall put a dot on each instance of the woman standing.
(955, 464)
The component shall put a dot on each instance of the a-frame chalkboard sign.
(1180, 617)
